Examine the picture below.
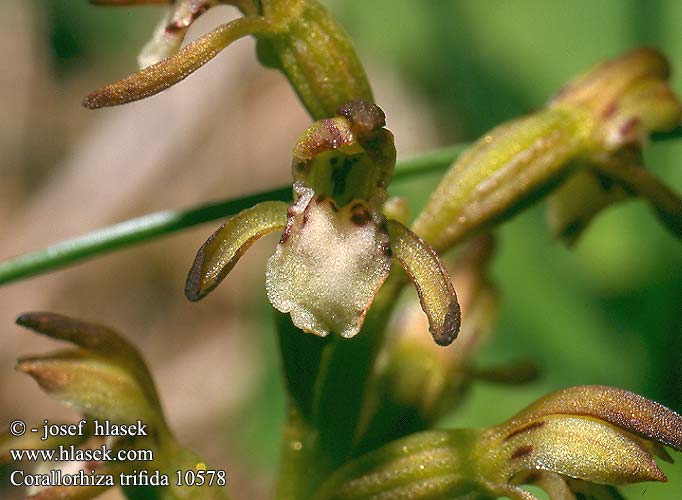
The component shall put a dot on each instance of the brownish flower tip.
(107, 96)
(451, 325)
(50, 324)
(60, 327)
(629, 411)
(365, 117)
(32, 320)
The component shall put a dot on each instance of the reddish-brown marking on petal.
(365, 117)
(526, 428)
(610, 109)
(175, 27)
(629, 126)
(290, 225)
(306, 215)
(522, 451)
(361, 217)
(182, 24)
(335, 137)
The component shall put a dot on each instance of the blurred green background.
(607, 312)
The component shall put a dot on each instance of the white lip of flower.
(336, 247)
(329, 264)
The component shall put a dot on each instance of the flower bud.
(107, 379)
(627, 99)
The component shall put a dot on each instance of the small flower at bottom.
(580, 440)
(105, 378)
(337, 246)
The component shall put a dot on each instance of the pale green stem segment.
(501, 173)
(426, 466)
(315, 54)
(222, 250)
(303, 465)
(425, 269)
(170, 71)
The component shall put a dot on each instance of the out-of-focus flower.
(591, 133)
(627, 99)
(107, 380)
(298, 37)
(578, 440)
(337, 246)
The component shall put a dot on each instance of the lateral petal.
(426, 270)
(216, 258)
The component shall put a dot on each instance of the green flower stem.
(155, 225)
(327, 379)
(302, 466)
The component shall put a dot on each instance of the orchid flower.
(336, 247)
